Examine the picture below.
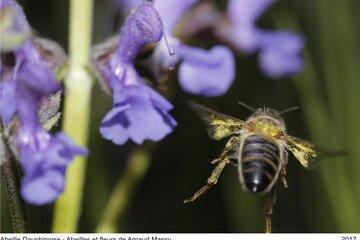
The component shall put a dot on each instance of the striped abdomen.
(260, 159)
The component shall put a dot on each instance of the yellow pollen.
(265, 128)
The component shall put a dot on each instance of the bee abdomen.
(260, 162)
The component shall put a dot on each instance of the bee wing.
(308, 153)
(219, 125)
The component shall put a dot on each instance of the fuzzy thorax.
(267, 122)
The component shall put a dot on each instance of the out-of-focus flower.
(206, 72)
(139, 113)
(279, 51)
(43, 157)
(127, 5)
(212, 67)
(14, 29)
(242, 31)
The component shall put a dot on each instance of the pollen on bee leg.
(198, 194)
(283, 179)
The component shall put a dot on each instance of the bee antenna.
(246, 106)
(288, 110)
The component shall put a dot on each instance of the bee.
(258, 147)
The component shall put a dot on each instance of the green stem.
(76, 113)
(10, 179)
(136, 168)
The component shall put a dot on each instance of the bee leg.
(268, 210)
(283, 174)
(284, 168)
(216, 160)
(231, 146)
(225, 158)
(212, 180)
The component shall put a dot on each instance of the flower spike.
(44, 157)
(139, 113)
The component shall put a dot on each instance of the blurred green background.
(327, 91)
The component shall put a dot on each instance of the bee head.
(267, 121)
(268, 113)
(267, 118)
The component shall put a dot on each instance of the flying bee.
(258, 147)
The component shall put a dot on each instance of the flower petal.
(34, 71)
(43, 189)
(138, 112)
(244, 38)
(280, 54)
(242, 31)
(113, 126)
(208, 73)
(145, 117)
(19, 23)
(244, 12)
(159, 100)
(44, 160)
(143, 26)
(67, 148)
(127, 5)
(8, 100)
(171, 11)
(165, 54)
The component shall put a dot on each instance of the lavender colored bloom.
(14, 28)
(43, 157)
(279, 51)
(280, 54)
(19, 22)
(128, 5)
(247, 11)
(139, 113)
(171, 11)
(211, 67)
(7, 95)
(216, 75)
(243, 15)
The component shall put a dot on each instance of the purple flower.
(211, 67)
(242, 30)
(199, 72)
(19, 22)
(43, 157)
(139, 113)
(280, 54)
(279, 51)
(7, 94)
(14, 27)
(127, 5)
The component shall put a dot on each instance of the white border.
(177, 236)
